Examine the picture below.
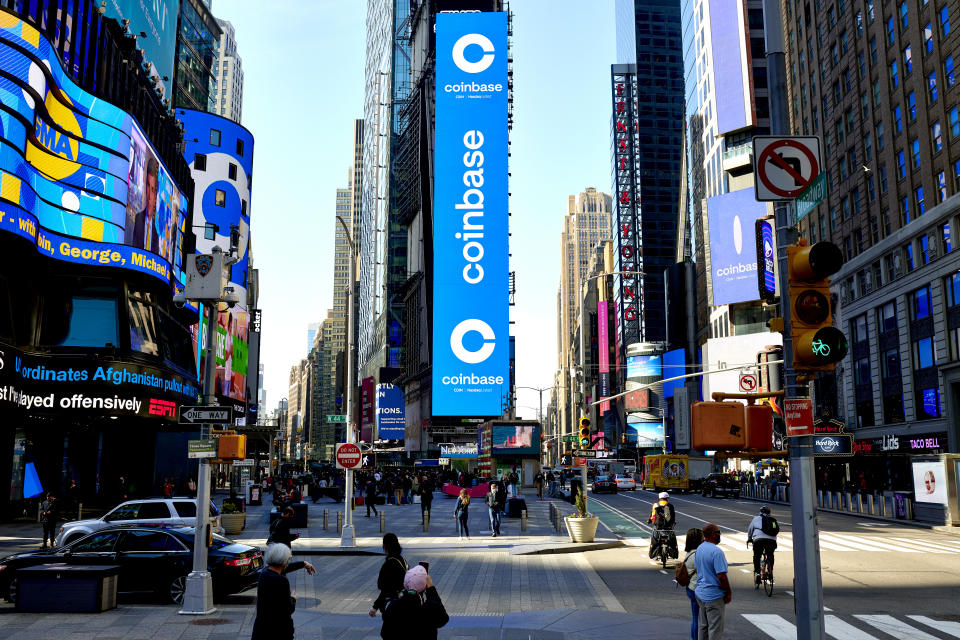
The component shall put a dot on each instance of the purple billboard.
(733, 249)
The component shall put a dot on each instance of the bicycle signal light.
(584, 433)
(817, 345)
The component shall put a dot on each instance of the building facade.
(197, 36)
(227, 89)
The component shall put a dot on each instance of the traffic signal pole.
(808, 585)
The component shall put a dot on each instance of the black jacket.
(497, 500)
(275, 606)
(390, 580)
(280, 531)
(409, 617)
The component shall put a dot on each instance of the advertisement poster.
(390, 412)
(507, 439)
(930, 482)
(603, 344)
(733, 248)
(471, 337)
(158, 20)
(367, 407)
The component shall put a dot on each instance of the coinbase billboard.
(733, 247)
(471, 338)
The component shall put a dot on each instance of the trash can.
(515, 507)
(64, 588)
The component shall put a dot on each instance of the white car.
(625, 482)
(168, 511)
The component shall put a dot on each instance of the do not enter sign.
(348, 456)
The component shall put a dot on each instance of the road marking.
(711, 506)
(837, 628)
(663, 572)
(692, 517)
(932, 548)
(773, 625)
(746, 570)
(625, 516)
(873, 542)
(859, 543)
(892, 626)
(943, 626)
(789, 593)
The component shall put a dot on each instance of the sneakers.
(460, 539)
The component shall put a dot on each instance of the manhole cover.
(209, 622)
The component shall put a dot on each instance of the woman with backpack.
(686, 576)
(417, 612)
(461, 512)
(390, 580)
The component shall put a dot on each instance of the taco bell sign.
(471, 340)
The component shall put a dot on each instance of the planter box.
(233, 523)
(582, 529)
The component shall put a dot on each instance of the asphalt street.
(880, 579)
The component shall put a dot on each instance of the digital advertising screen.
(471, 340)
(733, 248)
(158, 20)
(515, 439)
(78, 178)
(930, 482)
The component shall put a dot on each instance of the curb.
(572, 548)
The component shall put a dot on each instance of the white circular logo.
(737, 234)
(465, 41)
(461, 330)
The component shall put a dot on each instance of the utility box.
(232, 447)
(718, 425)
(207, 276)
(759, 432)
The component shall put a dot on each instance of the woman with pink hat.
(416, 612)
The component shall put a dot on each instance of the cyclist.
(663, 517)
(762, 532)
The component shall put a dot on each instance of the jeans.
(424, 507)
(695, 611)
(371, 502)
(462, 529)
(710, 619)
(49, 530)
(494, 520)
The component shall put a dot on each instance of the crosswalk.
(861, 627)
(846, 542)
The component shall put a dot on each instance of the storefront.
(460, 457)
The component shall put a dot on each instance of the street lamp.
(540, 391)
(347, 534)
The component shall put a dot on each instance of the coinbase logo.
(461, 330)
(473, 39)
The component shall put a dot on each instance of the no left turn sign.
(784, 167)
(748, 382)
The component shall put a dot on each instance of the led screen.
(733, 248)
(471, 341)
(78, 177)
(158, 20)
(516, 439)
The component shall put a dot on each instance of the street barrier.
(383, 522)
(326, 516)
(426, 521)
(523, 520)
(339, 522)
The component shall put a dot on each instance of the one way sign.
(206, 415)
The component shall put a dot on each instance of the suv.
(720, 484)
(180, 512)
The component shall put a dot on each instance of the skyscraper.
(227, 89)
(197, 37)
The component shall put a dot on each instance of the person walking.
(275, 601)
(370, 499)
(407, 489)
(426, 498)
(538, 483)
(280, 529)
(461, 512)
(694, 539)
(49, 514)
(713, 590)
(417, 613)
(493, 508)
(392, 572)
(397, 490)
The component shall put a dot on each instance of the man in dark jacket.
(49, 514)
(371, 497)
(426, 497)
(280, 529)
(417, 613)
(495, 507)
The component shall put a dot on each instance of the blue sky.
(302, 114)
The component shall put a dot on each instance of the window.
(876, 93)
(150, 541)
(891, 30)
(924, 353)
(835, 53)
(948, 71)
(153, 511)
(839, 125)
(925, 249)
(907, 60)
(859, 22)
(905, 216)
(887, 317)
(186, 509)
(232, 171)
(932, 86)
(928, 38)
(920, 303)
(953, 117)
(928, 403)
(901, 165)
(837, 94)
(890, 367)
(870, 15)
(945, 238)
(897, 119)
(956, 174)
(904, 20)
(239, 147)
(880, 144)
(220, 198)
(894, 77)
(867, 146)
(942, 188)
(97, 543)
(200, 162)
(873, 49)
(945, 20)
(936, 136)
(844, 47)
(215, 137)
(915, 147)
(864, 106)
(882, 170)
(86, 319)
(912, 105)
(243, 208)
(845, 207)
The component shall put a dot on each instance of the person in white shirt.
(763, 542)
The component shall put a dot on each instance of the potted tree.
(581, 526)
(232, 517)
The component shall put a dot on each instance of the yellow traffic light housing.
(817, 344)
(584, 433)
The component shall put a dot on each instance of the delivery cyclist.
(762, 532)
(663, 517)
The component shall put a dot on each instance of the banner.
(390, 412)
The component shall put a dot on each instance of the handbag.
(680, 574)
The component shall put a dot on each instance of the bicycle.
(766, 573)
(663, 540)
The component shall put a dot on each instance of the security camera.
(180, 299)
(231, 297)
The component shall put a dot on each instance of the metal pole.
(347, 534)
(198, 595)
(808, 585)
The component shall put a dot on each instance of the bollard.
(38, 513)
(326, 517)
(383, 522)
(523, 520)
(860, 503)
(873, 505)
(80, 511)
(426, 521)
(819, 498)
(883, 506)
(339, 522)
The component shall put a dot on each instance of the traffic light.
(584, 433)
(817, 344)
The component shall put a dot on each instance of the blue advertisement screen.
(471, 338)
(643, 367)
(158, 20)
(733, 247)
(390, 412)
(674, 364)
(769, 258)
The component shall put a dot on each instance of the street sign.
(243, 463)
(748, 382)
(201, 448)
(584, 453)
(784, 167)
(836, 444)
(810, 198)
(337, 419)
(348, 455)
(206, 415)
(798, 414)
(570, 438)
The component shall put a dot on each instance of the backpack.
(768, 524)
(680, 574)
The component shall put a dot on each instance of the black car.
(604, 483)
(720, 484)
(151, 559)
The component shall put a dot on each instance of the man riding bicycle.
(663, 517)
(762, 532)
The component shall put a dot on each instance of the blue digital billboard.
(155, 22)
(733, 248)
(471, 315)
(674, 364)
(734, 107)
(78, 178)
(391, 412)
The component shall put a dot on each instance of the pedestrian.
(418, 611)
(392, 572)
(426, 498)
(494, 508)
(694, 539)
(407, 489)
(275, 601)
(538, 483)
(461, 513)
(713, 588)
(280, 529)
(370, 498)
(397, 490)
(49, 514)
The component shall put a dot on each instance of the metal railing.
(843, 501)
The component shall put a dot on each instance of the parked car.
(604, 483)
(153, 559)
(720, 484)
(625, 482)
(179, 512)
